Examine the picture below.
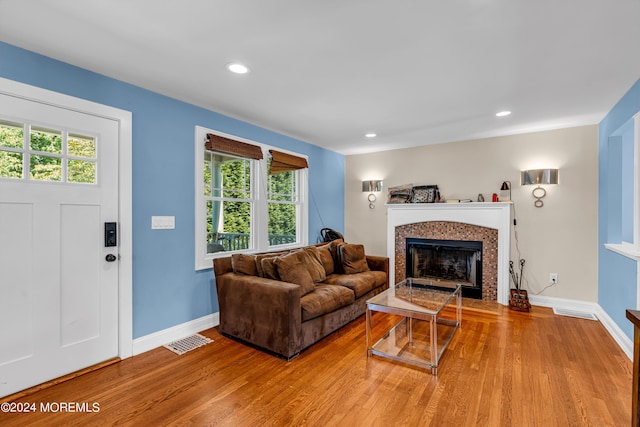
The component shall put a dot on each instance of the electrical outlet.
(553, 278)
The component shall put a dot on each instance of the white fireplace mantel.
(496, 215)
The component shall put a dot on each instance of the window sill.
(624, 249)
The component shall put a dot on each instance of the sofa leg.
(288, 359)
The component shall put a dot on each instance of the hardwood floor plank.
(501, 369)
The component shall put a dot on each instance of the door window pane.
(81, 146)
(45, 168)
(11, 134)
(80, 171)
(10, 164)
(46, 140)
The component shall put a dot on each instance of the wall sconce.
(538, 177)
(506, 185)
(371, 187)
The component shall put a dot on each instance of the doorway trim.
(125, 199)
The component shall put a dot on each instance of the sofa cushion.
(353, 258)
(292, 270)
(324, 252)
(334, 248)
(269, 269)
(309, 256)
(359, 283)
(325, 299)
(259, 259)
(244, 264)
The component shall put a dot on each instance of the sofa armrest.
(378, 263)
(261, 311)
(222, 266)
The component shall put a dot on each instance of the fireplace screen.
(457, 261)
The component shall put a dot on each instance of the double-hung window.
(250, 197)
(283, 197)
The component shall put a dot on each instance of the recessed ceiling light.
(370, 135)
(237, 68)
(503, 113)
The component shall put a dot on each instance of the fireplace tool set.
(519, 299)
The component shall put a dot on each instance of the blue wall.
(167, 290)
(617, 274)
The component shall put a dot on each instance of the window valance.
(224, 145)
(283, 162)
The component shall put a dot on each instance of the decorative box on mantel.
(492, 215)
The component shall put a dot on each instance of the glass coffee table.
(431, 313)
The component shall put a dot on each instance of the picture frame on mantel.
(425, 194)
(399, 194)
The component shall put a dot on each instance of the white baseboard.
(614, 330)
(625, 343)
(160, 338)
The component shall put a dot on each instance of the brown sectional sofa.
(284, 302)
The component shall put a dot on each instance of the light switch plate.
(163, 222)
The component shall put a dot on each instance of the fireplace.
(488, 223)
(451, 261)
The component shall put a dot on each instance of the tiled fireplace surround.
(485, 222)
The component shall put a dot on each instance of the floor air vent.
(187, 344)
(574, 313)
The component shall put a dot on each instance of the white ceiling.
(327, 72)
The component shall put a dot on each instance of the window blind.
(224, 145)
(283, 162)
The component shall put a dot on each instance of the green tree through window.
(240, 205)
(11, 136)
(46, 154)
(282, 197)
(227, 186)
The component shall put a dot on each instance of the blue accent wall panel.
(627, 187)
(617, 275)
(613, 194)
(167, 291)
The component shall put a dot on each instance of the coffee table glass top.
(417, 295)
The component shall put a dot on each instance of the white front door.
(58, 291)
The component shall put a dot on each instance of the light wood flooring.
(507, 369)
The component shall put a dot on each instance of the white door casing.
(63, 307)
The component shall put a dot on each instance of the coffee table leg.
(368, 327)
(434, 345)
(459, 310)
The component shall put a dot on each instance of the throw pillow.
(353, 258)
(260, 257)
(335, 254)
(292, 270)
(309, 256)
(244, 264)
(269, 269)
(324, 252)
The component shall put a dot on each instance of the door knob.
(110, 258)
